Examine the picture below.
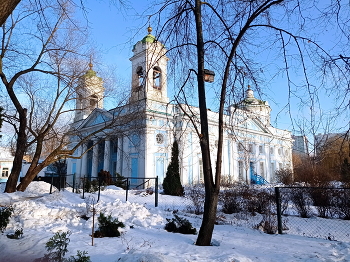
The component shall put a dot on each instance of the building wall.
(248, 125)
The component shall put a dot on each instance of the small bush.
(343, 204)
(120, 181)
(149, 191)
(105, 177)
(301, 201)
(57, 247)
(259, 201)
(5, 214)
(108, 226)
(197, 195)
(81, 257)
(268, 224)
(17, 235)
(322, 199)
(284, 176)
(285, 199)
(232, 200)
(91, 186)
(180, 225)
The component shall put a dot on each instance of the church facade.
(138, 141)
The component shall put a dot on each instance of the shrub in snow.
(105, 177)
(196, 193)
(80, 257)
(259, 202)
(322, 199)
(180, 225)
(284, 176)
(57, 247)
(268, 224)
(108, 226)
(172, 183)
(5, 214)
(301, 200)
(90, 186)
(285, 199)
(120, 181)
(343, 204)
(231, 200)
(17, 235)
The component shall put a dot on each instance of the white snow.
(144, 238)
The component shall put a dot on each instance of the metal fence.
(129, 184)
(59, 181)
(306, 211)
(314, 212)
(134, 188)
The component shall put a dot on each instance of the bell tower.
(89, 94)
(149, 70)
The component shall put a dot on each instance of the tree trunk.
(27, 179)
(211, 196)
(209, 217)
(6, 8)
(20, 150)
(32, 172)
(35, 167)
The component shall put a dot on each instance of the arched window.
(93, 102)
(140, 76)
(157, 78)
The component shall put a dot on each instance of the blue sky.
(114, 31)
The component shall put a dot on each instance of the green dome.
(148, 39)
(90, 73)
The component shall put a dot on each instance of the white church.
(138, 141)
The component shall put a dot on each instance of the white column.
(83, 168)
(107, 155)
(94, 170)
(78, 162)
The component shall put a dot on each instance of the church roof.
(148, 39)
(251, 100)
(91, 73)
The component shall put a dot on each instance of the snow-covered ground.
(144, 238)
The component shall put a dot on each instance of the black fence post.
(279, 214)
(156, 192)
(51, 183)
(73, 183)
(99, 188)
(127, 188)
(83, 186)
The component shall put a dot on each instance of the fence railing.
(307, 211)
(314, 211)
(124, 183)
(58, 181)
(95, 184)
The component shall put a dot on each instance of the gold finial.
(149, 29)
(248, 86)
(90, 64)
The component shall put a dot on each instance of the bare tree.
(40, 67)
(230, 37)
